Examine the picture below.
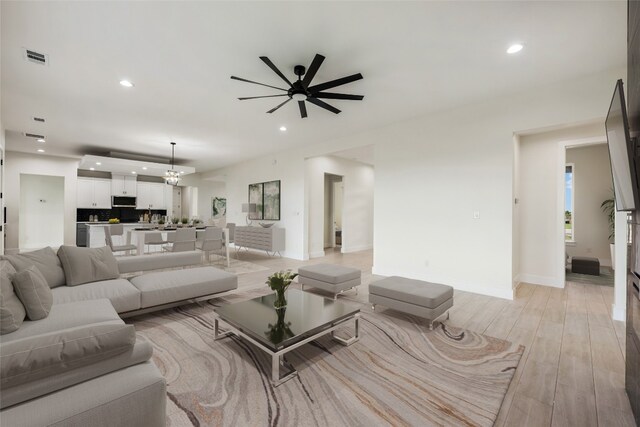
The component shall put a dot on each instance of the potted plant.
(609, 208)
(185, 221)
(161, 223)
(279, 282)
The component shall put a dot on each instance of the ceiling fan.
(301, 90)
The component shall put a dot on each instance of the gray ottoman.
(332, 278)
(585, 265)
(422, 299)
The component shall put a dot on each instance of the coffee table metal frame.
(277, 359)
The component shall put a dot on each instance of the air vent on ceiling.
(33, 135)
(38, 119)
(36, 57)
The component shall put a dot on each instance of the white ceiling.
(364, 154)
(416, 57)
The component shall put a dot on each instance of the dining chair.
(116, 248)
(211, 241)
(184, 239)
(154, 238)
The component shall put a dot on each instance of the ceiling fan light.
(299, 97)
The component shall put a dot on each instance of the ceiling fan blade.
(303, 109)
(313, 69)
(256, 83)
(323, 105)
(256, 97)
(329, 95)
(274, 109)
(275, 69)
(334, 83)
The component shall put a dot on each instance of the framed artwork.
(218, 207)
(255, 197)
(266, 197)
(271, 200)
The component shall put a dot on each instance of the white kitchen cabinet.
(123, 185)
(151, 195)
(94, 193)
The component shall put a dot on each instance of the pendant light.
(172, 176)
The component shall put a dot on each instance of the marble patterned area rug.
(399, 373)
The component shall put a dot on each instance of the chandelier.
(172, 176)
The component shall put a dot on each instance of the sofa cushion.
(12, 312)
(40, 356)
(417, 292)
(86, 265)
(177, 285)
(329, 273)
(64, 316)
(133, 396)
(122, 294)
(139, 353)
(45, 260)
(129, 264)
(34, 293)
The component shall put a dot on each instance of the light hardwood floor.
(572, 370)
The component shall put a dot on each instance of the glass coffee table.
(277, 332)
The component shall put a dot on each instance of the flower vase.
(280, 301)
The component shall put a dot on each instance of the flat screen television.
(621, 153)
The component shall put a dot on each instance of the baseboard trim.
(535, 279)
(356, 249)
(618, 313)
(482, 290)
(316, 254)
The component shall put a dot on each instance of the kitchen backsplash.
(123, 214)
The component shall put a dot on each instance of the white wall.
(357, 209)
(21, 163)
(432, 173)
(541, 201)
(207, 189)
(41, 211)
(593, 184)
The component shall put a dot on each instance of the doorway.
(41, 217)
(333, 208)
(588, 226)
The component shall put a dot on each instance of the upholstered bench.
(585, 265)
(417, 297)
(174, 287)
(332, 278)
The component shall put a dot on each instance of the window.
(569, 207)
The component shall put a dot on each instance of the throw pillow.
(86, 265)
(11, 309)
(33, 291)
(45, 260)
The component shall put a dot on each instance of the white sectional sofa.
(82, 365)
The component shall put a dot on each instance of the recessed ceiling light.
(92, 169)
(283, 128)
(98, 163)
(40, 150)
(126, 83)
(515, 48)
(144, 168)
(40, 140)
(133, 172)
